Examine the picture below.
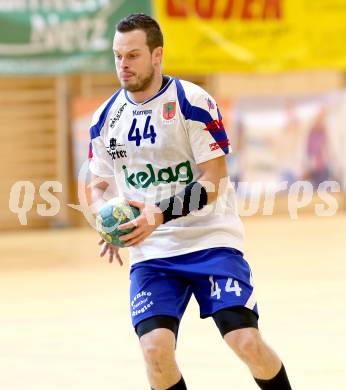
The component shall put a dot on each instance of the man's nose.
(123, 63)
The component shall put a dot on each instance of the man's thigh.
(158, 297)
(224, 284)
(235, 318)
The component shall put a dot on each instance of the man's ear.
(157, 55)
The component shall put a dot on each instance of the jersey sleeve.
(208, 137)
(100, 162)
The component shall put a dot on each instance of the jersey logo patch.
(215, 125)
(168, 112)
(220, 144)
(141, 112)
(112, 149)
(117, 116)
(210, 104)
(181, 173)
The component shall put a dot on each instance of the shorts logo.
(219, 144)
(168, 112)
(141, 303)
(112, 149)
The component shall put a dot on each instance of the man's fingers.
(136, 203)
(132, 235)
(101, 241)
(128, 225)
(136, 240)
(118, 258)
(104, 249)
(111, 254)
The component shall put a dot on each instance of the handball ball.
(114, 213)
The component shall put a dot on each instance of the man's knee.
(158, 347)
(247, 343)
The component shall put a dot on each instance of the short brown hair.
(143, 22)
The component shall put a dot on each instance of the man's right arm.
(99, 187)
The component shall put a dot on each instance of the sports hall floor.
(65, 324)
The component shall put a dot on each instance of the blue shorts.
(218, 278)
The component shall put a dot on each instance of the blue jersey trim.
(163, 90)
(96, 129)
(128, 98)
(199, 114)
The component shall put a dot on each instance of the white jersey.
(152, 150)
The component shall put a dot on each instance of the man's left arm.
(213, 171)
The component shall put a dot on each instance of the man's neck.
(153, 89)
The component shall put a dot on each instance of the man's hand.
(149, 219)
(113, 251)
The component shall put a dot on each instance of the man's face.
(135, 64)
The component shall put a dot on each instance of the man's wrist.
(193, 197)
(159, 218)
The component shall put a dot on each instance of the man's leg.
(158, 299)
(263, 362)
(238, 327)
(157, 337)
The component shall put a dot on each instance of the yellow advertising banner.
(208, 36)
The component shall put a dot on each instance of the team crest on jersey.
(168, 112)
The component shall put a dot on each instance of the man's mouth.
(126, 76)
